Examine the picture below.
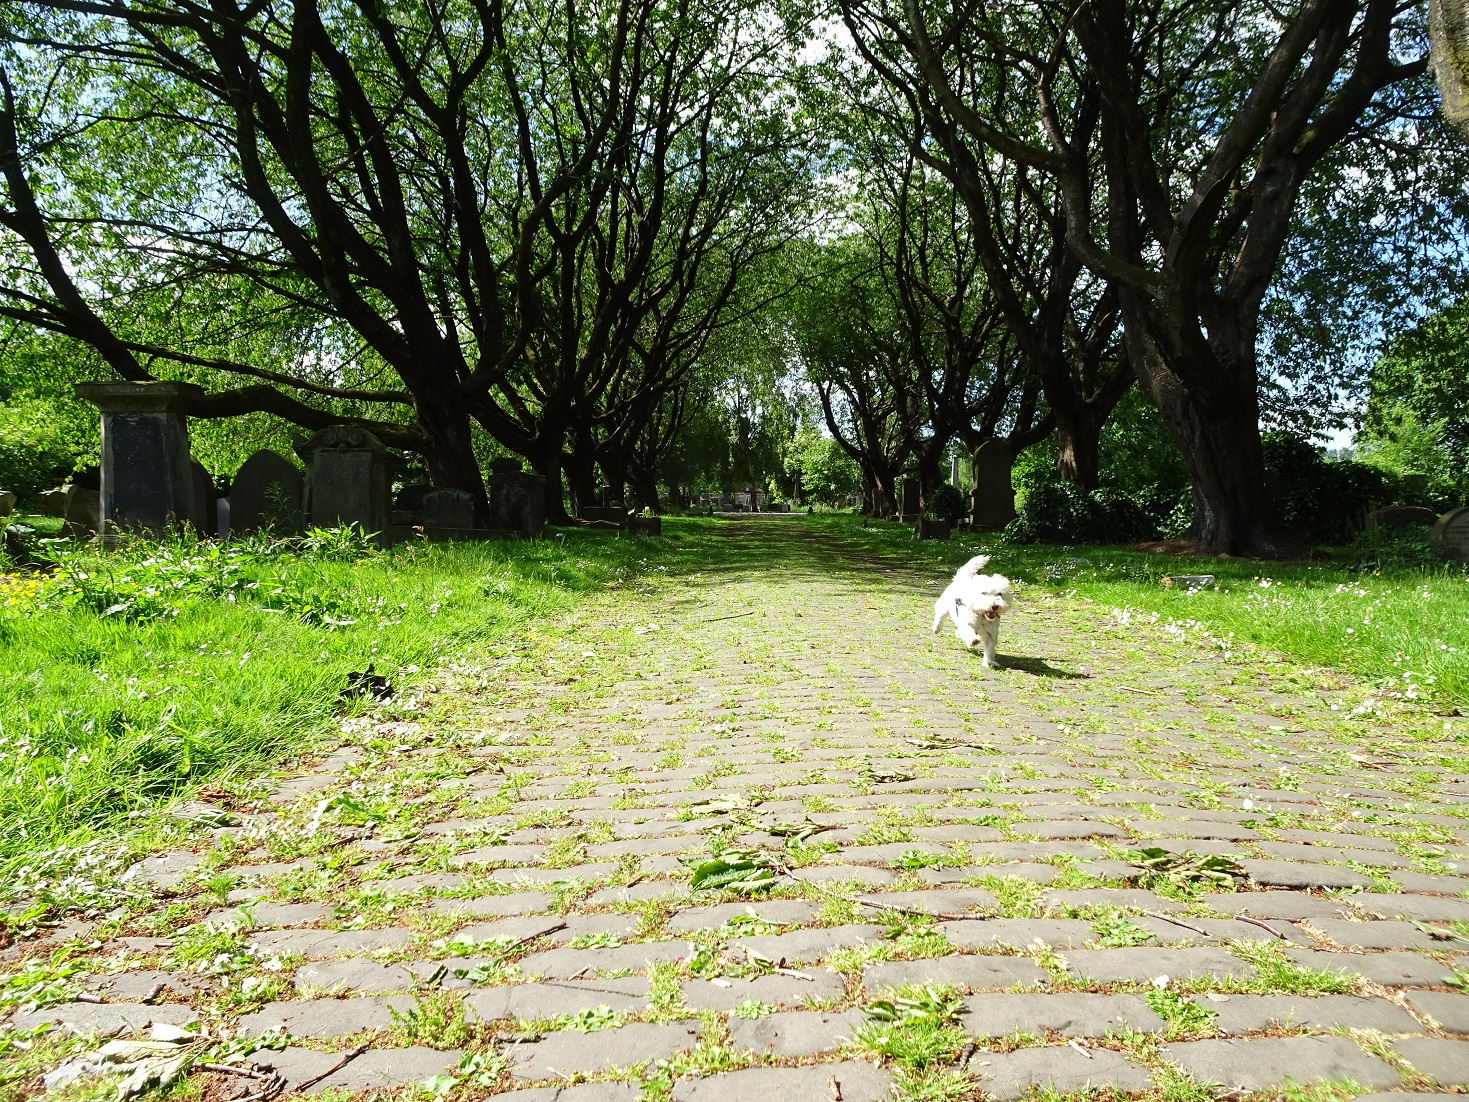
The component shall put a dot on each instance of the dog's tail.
(973, 566)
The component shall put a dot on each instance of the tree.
(1209, 118)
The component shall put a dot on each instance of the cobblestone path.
(491, 883)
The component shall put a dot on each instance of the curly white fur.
(975, 602)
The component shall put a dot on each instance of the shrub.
(1062, 512)
(1318, 499)
(946, 503)
(35, 453)
(1388, 548)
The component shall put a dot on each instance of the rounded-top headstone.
(1401, 516)
(267, 484)
(1453, 529)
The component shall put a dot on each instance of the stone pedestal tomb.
(148, 483)
(992, 501)
(348, 479)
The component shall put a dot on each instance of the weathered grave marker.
(448, 509)
(517, 499)
(267, 484)
(1453, 529)
(992, 501)
(348, 482)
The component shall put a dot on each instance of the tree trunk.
(549, 464)
(646, 487)
(449, 455)
(1078, 439)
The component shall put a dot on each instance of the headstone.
(517, 499)
(909, 508)
(83, 513)
(348, 479)
(204, 489)
(1453, 529)
(448, 509)
(147, 482)
(604, 514)
(1401, 516)
(954, 473)
(410, 497)
(266, 482)
(992, 501)
(223, 511)
(53, 502)
(7, 503)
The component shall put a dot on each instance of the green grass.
(130, 678)
(1405, 631)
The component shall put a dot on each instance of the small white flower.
(1160, 982)
(1247, 804)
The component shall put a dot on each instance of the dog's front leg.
(991, 629)
(940, 610)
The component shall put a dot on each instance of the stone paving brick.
(1449, 1010)
(954, 901)
(565, 1053)
(1423, 882)
(1390, 969)
(136, 985)
(771, 989)
(1145, 964)
(975, 973)
(782, 912)
(1258, 1013)
(419, 881)
(1018, 933)
(855, 1081)
(795, 1033)
(582, 1092)
(1285, 905)
(887, 853)
(1376, 935)
(326, 1017)
(162, 871)
(1444, 1061)
(622, 926)
(1289, 874)
(103, 1017)
(320, 944)
(1069, 1014)
(1110, 897)
(270, 914)
(1230, 1065)
(808, 945)
(1016, 1074)
(866, 876)
(1074, 829)
(498, 855)
(375, 1069)
(639, 892)
(571, 963)
(550, 999)
(589, 873)
(1040, 874)
(363, 977)
(1424, 908)
(514, 903)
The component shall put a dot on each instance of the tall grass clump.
(128, 677)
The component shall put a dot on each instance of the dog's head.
(988, 597)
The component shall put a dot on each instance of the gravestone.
(448, 509)
(147, 481)
(348, 480)
(209, 504)
(992, 501)
(517, 499)
(254, 506)
(1401, 516)
(410, 497)
(954, 473)
(1453, 529)
(83, 513)
(7, 503)
(53, 502)
(908, 506)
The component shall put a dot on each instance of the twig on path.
(732, 616)
(347, 1058)
(230, 1069)
(1177, 922)
(1263, 925)
(1144, 692)
(514, 945)
(1079, 1048)
(943, 915)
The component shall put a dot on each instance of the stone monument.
(147, 481)
(208, 500)
(348, 480)
(1401, 516)
(267, 484)
(449, 509)
(992, 501)
(7, 503)
(909, 509)
(1453, 529)
(517, 499)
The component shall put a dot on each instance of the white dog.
(975, 602)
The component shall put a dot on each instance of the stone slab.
(582, 1092)
(1424, 908)
(1285, 905)
(1019, 1073)
(771, 989)
(1449, 1009)
(103, 1017)
(586, 874)
(1444, 1061)
(568, 963)
(1266, 1063)
(782, 912)
(1071, 1015)
(569, 1052)
(976, 973)
(514, 903)
(938, 901)
(1145, 964)
(1289, 874)
(320, 944)
(363, 977)
(796, 1033)
(855, 1081)
(380, 1068)
(1376, 935)
(801, 946)
(1039, 874)
(553, 998)
(270, 914)
(325, 1017)
(1259, 1013)
(867, 876)
(1018, 933)
(1126, 898)
(1390, 969)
